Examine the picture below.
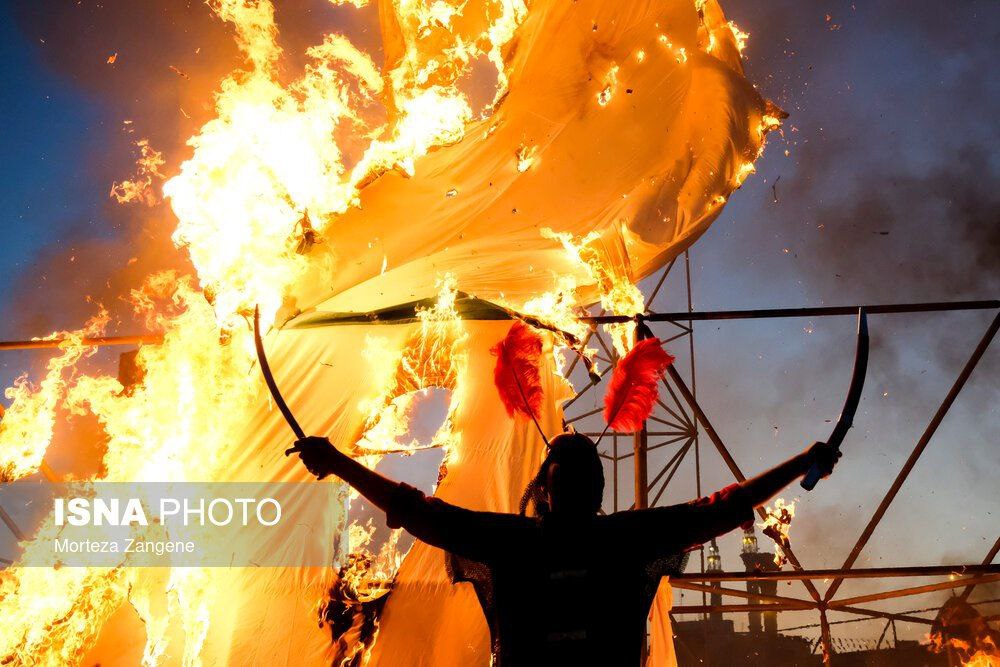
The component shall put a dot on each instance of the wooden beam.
(98, 341)
(914, 590)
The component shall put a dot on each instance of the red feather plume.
(517, 375)
(633, 387)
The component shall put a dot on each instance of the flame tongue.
(776, 525)
(26, 429)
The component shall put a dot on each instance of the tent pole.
(639, 444)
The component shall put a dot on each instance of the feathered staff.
(633, 387)
(517, 374)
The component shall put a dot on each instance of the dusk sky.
(888, 193)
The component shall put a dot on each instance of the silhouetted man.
(569, 586)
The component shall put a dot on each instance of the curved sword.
(846, 419)
(272, 386)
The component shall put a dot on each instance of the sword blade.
(272, 386)
(846, 419)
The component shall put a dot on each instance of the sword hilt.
(815, 472)
(812, 477)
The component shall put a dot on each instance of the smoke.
(103, 252)
(152, 69)
(887, 193)
(934, 233)
(981, 593)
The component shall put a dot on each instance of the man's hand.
(824, 456)
(317, 454)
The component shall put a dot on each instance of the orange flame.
(26, 428)
(140, 187)
(266, 179)
(776, 525)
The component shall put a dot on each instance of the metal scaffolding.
(678, 421)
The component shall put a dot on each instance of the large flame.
(266, 176)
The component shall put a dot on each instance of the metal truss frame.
(679, 419)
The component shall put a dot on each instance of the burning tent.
(389, 262)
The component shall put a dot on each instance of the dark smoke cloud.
(888, 193)
(937, 230)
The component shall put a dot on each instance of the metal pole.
(736, 592)
(639, 462)
(827, 311)
(711, 315)
(8, 520)
(694, 392)
(641, 474)
(915, 590)
(825, 638)
(739, 608)
(882, 636)
(731, 462)
(639, 443)
(614, 440)
(885, 614)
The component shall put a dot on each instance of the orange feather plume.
(633, 388)
(517, 375)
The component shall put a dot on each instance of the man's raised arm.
(480, 536)
(679, 527)
(758, 490)
(321, 458)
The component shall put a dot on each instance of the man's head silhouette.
(570, 481)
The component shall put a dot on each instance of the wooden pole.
(99, 341)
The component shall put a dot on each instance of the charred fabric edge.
(467, 307)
